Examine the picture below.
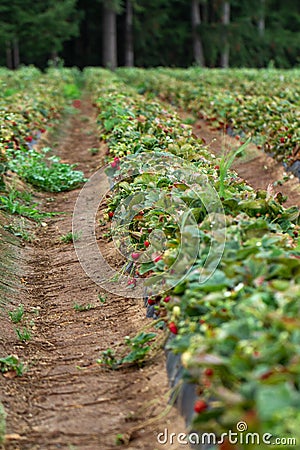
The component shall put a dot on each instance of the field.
(189, 285)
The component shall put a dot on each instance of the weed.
(24, 335)
(225, 164)
(120, 439)
(18, 230)
(94, 151)
(108, 359)
(70, 237)
(17, 314)
(45, 172)
(11, 363)
(136, 356)
(13, 205)
(102, 298)
(79, 308)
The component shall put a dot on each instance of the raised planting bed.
(241, 102)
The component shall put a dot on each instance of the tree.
(197, 42)
(261, 19)
(36, 28)
(225, 40)
(129, 48)
(109, 40)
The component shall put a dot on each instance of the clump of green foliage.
(45, 172)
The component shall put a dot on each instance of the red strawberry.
(167, 299)
(200, 406)
(282, 140)
(146, 244)
(217, 167)
(209, 372)
(135, 255)
(28, 138)
(76, 103)
(114, 165)
(173, 327)
(158, 258)
(151, 301)
(110, 214)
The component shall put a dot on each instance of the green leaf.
(271, 399)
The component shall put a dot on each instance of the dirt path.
(65, 400)
(257, 168)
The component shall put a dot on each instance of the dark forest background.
(111, 33)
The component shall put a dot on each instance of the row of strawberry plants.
(262, 103)
(30, 102)
(238, 332)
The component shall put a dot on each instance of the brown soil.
(65, 400)
(256, 167)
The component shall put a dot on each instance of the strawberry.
(76, 103)
(200, 406)
(151, 301)
(209, 372)
(28, 138)
(114, 164)
(217, 167)
(173, 327)
(110, 214)
(135, 255)
(282, 140)
(158, 258)
(146, 244)
(167, 299)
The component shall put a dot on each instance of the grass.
(70, 237)
(17, 314)
(13, 202)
